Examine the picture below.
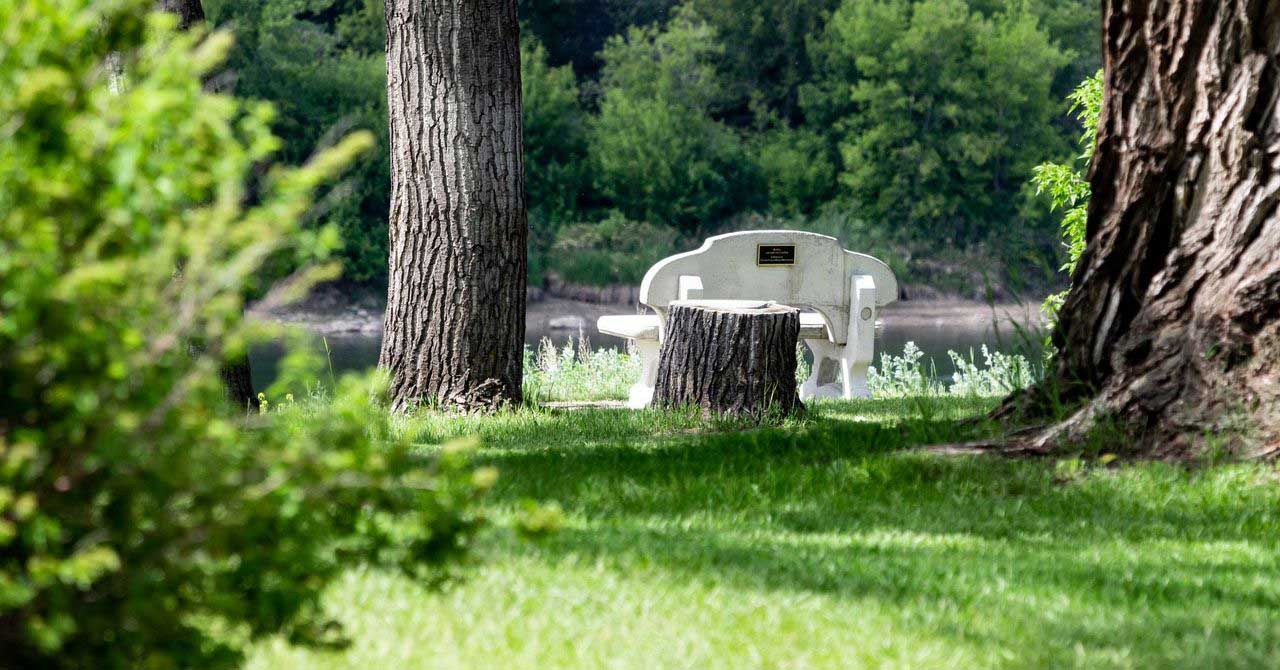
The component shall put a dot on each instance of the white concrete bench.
(839, 292)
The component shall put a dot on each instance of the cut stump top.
(736, 306)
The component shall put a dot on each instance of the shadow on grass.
(1174, 566)
(894, 422)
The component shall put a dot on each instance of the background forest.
(908, 128)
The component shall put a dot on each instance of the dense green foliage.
(765, 59)
(557, 177)
(659, 154)
(144, 521)
(556, 136)
(575, 30)
(321, 64)
(613, 249)
(946, 115)
(797, 170)
(1066, 184)
(921, 118)
(830, 543)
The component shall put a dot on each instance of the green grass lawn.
(827, 543)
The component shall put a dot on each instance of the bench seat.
(645, 326)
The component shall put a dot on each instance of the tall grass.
(913, 375)
(576, 372)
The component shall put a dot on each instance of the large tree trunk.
(1172, 329)
(729, 359)
(454, 329)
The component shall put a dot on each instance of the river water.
(934, 327)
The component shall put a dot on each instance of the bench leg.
(856, 356)
(853, 376)
(824, 378)
(642, 391)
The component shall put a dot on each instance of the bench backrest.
(788, 266)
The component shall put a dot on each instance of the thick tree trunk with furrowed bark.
(729, 360)
(1172, 328)
(454, 329)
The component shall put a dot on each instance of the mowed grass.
(828, 543)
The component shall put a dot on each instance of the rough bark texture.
(454, 329)
(1173, 325)
(729, 361)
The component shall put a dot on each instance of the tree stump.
(734, 357)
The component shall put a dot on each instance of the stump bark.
(729, 357)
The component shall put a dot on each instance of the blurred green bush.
(144, 523)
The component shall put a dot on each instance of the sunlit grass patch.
(828, 542)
